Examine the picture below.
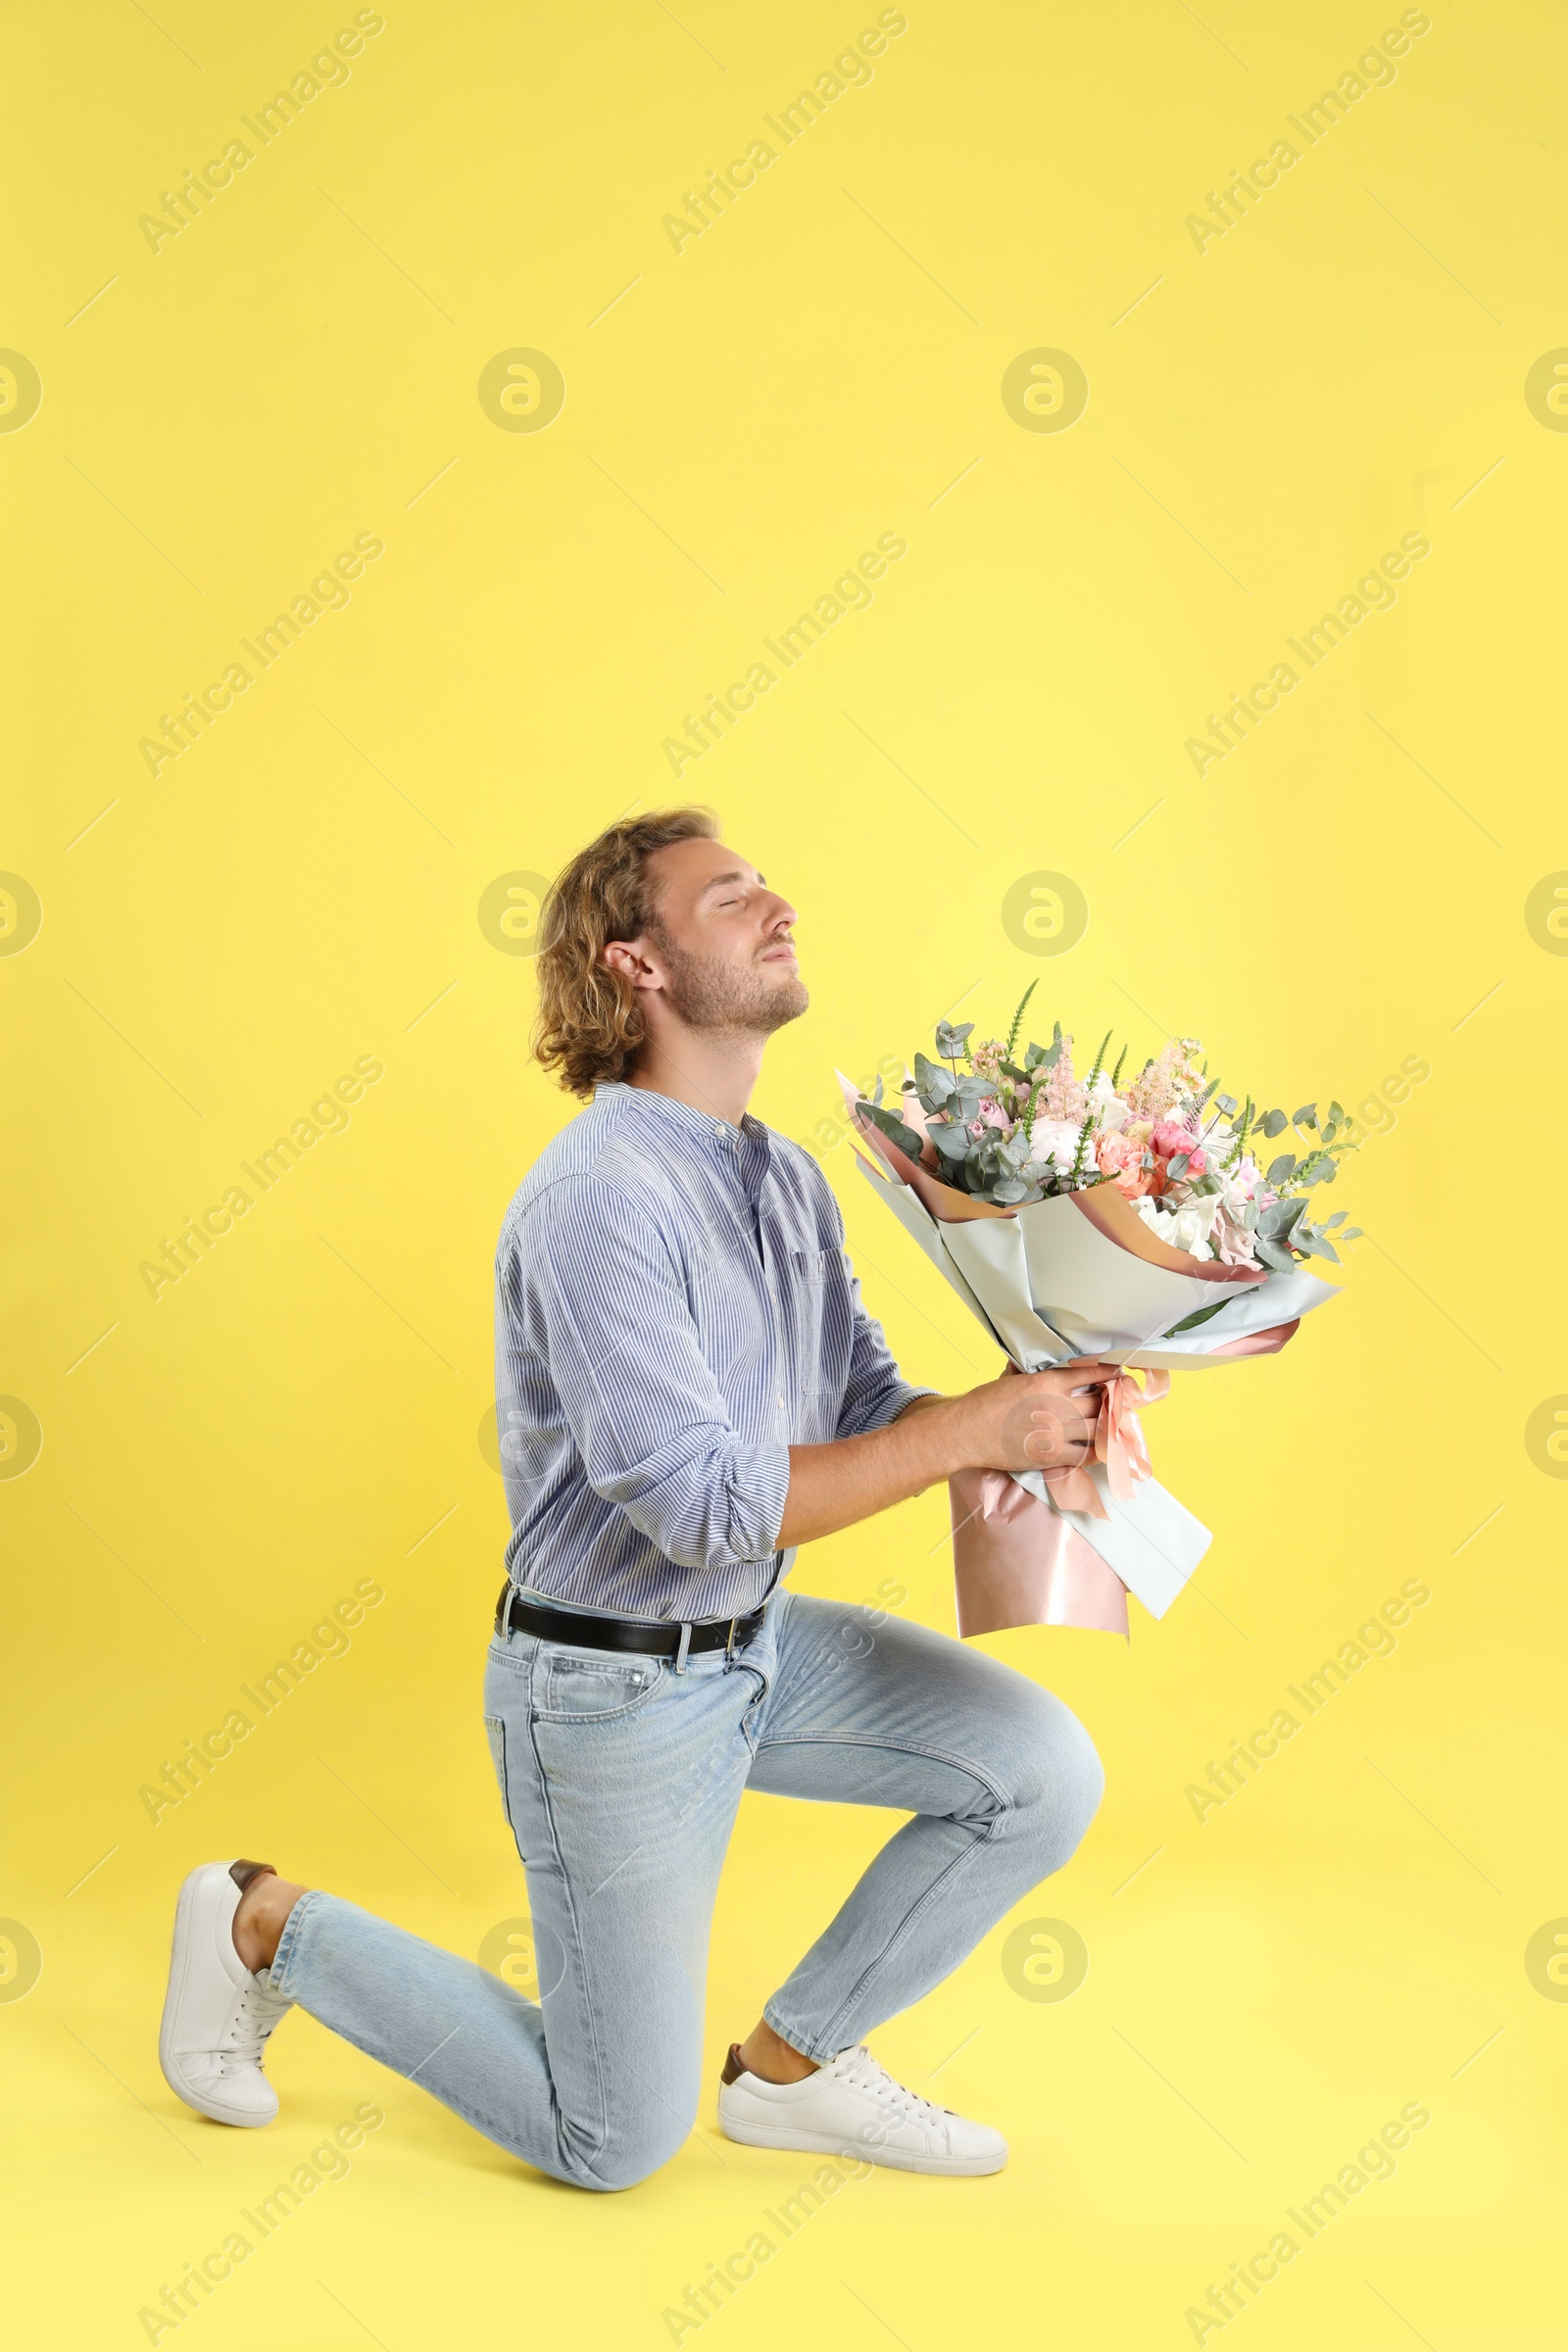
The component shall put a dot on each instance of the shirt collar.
(681, 1114)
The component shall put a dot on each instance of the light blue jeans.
(621, 1780)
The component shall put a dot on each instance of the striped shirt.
(674, 1310)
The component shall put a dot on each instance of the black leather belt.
(586, 1629)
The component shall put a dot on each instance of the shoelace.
(257, 2014)
(862, 2072)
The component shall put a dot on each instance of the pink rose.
(1120, 1157)
(1233, 1242)
(1170, 1137)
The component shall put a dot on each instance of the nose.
(781, 915)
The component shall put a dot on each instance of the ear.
(629, 957)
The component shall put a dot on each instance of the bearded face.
(716, 992)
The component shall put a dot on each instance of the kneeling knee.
(624, 2163)
(1061, 1781)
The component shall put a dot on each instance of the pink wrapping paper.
(1017, 1562)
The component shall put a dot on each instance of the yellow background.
(301, 888)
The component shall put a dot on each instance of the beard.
(707, 992)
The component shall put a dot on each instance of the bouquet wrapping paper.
(1056, 1282)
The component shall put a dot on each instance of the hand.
(1034, 1420)
(1024, 1421)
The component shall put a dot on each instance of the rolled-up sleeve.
(596, 1290)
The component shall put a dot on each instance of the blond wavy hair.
(590, 1021)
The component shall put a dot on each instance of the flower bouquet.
(1082, 1219)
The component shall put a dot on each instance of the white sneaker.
(217, 2014)
(852, 2107)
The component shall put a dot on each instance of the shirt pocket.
(819, 1304)
(815, 1267)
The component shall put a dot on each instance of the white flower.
(1056, 1141)
(1186, 1229)
(1111, 1113)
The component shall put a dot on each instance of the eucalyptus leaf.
(1191, 1322)
(1274, 1255)
(1306, 1116)
(1282, 1169)
(1274, 1122)
(893, 1127)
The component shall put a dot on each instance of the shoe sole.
(822, 2144)
(178, 1967)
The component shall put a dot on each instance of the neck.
(711, 1070)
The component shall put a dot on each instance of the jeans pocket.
(495, 1732)
(576, 1688)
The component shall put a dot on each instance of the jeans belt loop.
(685, 1645)
(730, 1646)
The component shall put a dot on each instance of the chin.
(790, 1000)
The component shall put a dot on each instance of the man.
(689, 1387)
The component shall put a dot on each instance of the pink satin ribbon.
(1119, 1443)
